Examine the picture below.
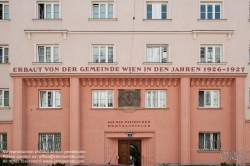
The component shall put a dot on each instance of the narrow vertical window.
(4, 98)
(3, 142)
(4, 11)
(4, 54)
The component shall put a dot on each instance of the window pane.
(1, 11)
(48, 54)
(56, 11)
(210, 54)
(1, 98)
(43, 98)
(201, 98)
(164, 54)
(6, 98)
(48, 11)
(155, 99)
(6, 53)
(102, 98)
(41, 54)
(95, 11)
(110, 10)
(58, 99)
(217, 8)
(149, 11)
(96, 54)
(201, 141)
(215, 98)
(208, 98)
(110, 54)
(150, 54)
(41, 11)
(217, 15)
(202, 54)
(110, 99)
(156, 8)
(163, 11)
(203, 16)
(102, 11)
(207, 141)
(1, 54)
(148, 99)
(156, 54)
(56, 54)
(163, 99)
(209, 8)
(103, 54)
(217, 54)
(209, 16)
(95, 99)
(50, 99)
(203, 8)
(6, 11)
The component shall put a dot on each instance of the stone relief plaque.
(129, 98)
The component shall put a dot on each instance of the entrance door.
(129, 152)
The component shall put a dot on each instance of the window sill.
(157, 63)
(4, 108)
(4, 63)
(102, 19)
(212, 20)
(103, 63)
(108, 108)
(36, 19)
(208, 151)
(51, 108)
(4, 20)
(168, 20)
(46, 63)
(209, 108)
(211, 63)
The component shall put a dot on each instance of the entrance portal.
(129, 152)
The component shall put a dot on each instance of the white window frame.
(44, 144)
(5, 54)
(155, 14)
(106, 98)
(207, 57)
(208, 102)
(163, 57)
(106, 10)
(4, 12)
(106, 57)
(45, 10)
(43, 103)
(214, 141)
(52, 58)
(3, 98)
(2, 142)
(159, 99)
(213, 13)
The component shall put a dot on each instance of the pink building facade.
(136, 83)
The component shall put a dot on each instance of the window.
(102, 98)
(103, 10)
(157, 54)
(209, 141)
(49, 142)
(210, 11)
(3, 142)
(48, 10)
(47, 54)
(208, 98)
(4, 98)
(4, 11)
(50, 99)
(155, 98)
(103, 54)
(4, 54)
(211, 54)
(156, 11)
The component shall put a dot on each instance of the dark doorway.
(129, 152)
